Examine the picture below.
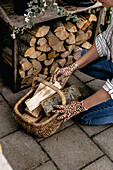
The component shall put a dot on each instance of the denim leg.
(97, 115)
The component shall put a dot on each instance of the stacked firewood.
(45, 48)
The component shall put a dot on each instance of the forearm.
(88, 57)
(97, 98)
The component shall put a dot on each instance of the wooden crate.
(11, 20)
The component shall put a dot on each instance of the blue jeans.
(103, 112)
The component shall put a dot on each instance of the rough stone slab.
(71, 148)
(96, 84)
(105, 141)
(62, 126)
(11, 97)
(22, 151)
(102, 164)
(85, 92)
(92, 130)
(46, 166)
(7, 123)
(83, 77)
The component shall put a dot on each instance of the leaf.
(35, 1)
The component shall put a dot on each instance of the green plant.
(36, 7)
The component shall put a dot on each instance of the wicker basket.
(45, 128)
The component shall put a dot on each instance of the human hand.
(64, 72)
(70, 110)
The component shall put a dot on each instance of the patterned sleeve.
(108, 86)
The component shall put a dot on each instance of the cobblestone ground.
(72, 147)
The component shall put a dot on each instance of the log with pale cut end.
(71, 93)
(37, 65)
(44, 48)
(36, 54)
(42, 76)
(35, 113)
(70, 48)
(26, 65)
(41, 41)
(65, 54)
(59, 47)
(29, 52)
(31, 119)
(86, 45)
(22, 73)
(61, 62)
(80, 38)
(48, 62)
(45, 71)
(52, 54)
(70, 60)
(92, 18)
(30, 72)
(42, 31)
(28, 38)
(86, 26)
(71, 39)
(70, 27)
(81, 23)
(27, 80)
(62, 35)
(53, 67)
(77, 48)
(42, 57)
(33, 41)
(77, 55)
(89, 34)
(34, 102)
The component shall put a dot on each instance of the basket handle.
(39, 79)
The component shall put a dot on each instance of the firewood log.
(22, 73)
(36, 54)
(81, 23)
(31, 118)
(70, 48)
(22, 48)
(27, 80)
(70, 27)
(65, 54)
(28, 38)
(59, 47)
(80, 38)
(89, 34)
(92, 17)
(71, 93)
(30, 71)
(70, 60)
(37, 66)
(48, 62)
(53, 67)
(71, 39)
(86, 45)
(35, 113)
(61, 62)
(45, 71)
(52, 54)
(25, 65)
(42, 57)
(41, 41)
(77, 55)
(34, 102)
(42, 31)
(29, 52)
(43, 48)
(86, 26)
(42, 76)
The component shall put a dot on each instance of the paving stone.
(102, 164)
(22, 151)
(96, 84)
(92, 130)
(105, 141)
(7, 123)
(83, 77)
(62, 126)
(85, 92)
(46, 166)
(71, 148)
(11, 97)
